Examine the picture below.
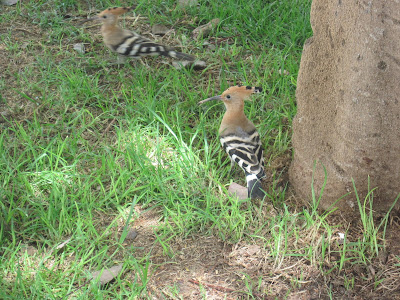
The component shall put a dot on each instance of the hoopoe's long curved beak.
(210, 99)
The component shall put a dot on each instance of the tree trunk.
(348, 93)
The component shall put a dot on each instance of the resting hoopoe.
(239, 137)
(129, 43)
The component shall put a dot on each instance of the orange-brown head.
(235, 95)
(110, 15)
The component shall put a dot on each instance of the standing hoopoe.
(129, 43)
(239, 137)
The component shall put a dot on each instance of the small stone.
(80, 48)
(209, 45)
(9, 2)
(105, 276)
(132, 234)
(341, 238)
(237, 190)
(159, 29)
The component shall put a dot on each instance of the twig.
(108, 127)
(135, 19)
(227, 290)
(24, 30)
(223, 39)
(168, 294)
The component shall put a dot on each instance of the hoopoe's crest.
(239, 137)
(129, 43)
(117, 11)
(240, 92)
(235, 94)
(110, 15)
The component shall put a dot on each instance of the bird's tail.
(254, 187)
(179, 55)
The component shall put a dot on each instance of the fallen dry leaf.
(204, 30)
(105, 276)
(63, 244)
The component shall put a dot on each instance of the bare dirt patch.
(200, 266)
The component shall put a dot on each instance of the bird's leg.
(121, 60)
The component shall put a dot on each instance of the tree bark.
(348, 93)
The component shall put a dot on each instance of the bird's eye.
(228, 96)
(104, 17)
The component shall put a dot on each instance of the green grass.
(85, 142)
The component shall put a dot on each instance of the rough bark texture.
(348, 93)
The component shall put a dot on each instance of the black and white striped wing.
(246, 150)
(137, 46)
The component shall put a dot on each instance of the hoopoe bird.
(239, 137)
(128, 43)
